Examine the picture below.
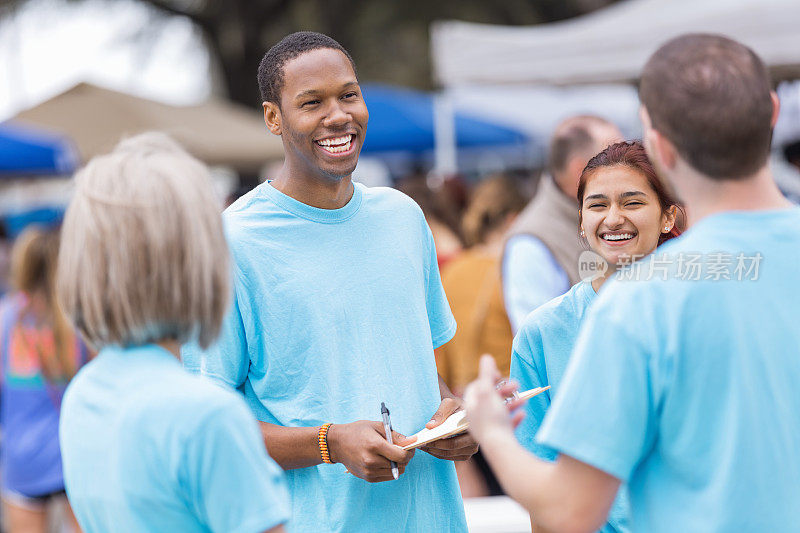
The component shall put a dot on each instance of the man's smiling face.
(323, 115)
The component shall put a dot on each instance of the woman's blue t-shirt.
(149, 447)
(541, 351)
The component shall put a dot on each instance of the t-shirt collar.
(316, 214)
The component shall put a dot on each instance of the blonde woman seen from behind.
(144, 267)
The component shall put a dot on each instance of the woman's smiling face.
(621, 216)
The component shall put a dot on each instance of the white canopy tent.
(610, 45)
(535, 76)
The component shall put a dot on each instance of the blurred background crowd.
(467, 105)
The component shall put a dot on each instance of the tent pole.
(444, 120)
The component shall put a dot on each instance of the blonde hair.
(33, 272)
(143, 255)
(493, 200)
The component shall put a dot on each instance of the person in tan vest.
(540, 258)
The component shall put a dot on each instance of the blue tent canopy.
(402, 120)
(27, 151)
(46, 216)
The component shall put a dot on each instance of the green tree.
(389, 39)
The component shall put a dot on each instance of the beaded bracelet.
(322, 439)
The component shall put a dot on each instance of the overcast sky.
(51, 45)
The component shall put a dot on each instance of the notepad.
(457, 423)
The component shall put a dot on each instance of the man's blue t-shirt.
(336, 311)
(540, 354)
(146, 446)
(685, 383)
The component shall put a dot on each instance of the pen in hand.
(387, 428)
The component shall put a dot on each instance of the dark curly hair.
(270, 71)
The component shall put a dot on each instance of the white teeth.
(620, 237)
(336, 145)
(335, 141)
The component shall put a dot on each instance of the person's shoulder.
(642, 291)
(211, 407)
(387, 206)
(75, 386)
(186, 403)
(560, 305)
(550, 314)
(202, 393)
(693, 239)
(389, 198)
(529, 340)
(727, 229)
(523, 249)
(244, 219)
(9, 304)
(83, 380)
(254, 204)
(249, 201)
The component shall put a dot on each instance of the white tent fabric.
(612, 44)
(536, 110)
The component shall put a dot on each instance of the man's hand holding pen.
(362, 447)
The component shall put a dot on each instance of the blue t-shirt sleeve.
(531, 277)
(440, 317)
(232, 484)
(527, 373)
(605, 411)
(227, 359)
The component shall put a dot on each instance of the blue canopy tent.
(25, 151)
(17, 221)
(403, 120)
(28, 152)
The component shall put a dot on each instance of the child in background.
(40, 354)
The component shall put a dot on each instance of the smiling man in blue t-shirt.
(338, 307)
(683, 382)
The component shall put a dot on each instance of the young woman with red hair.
(625, 213)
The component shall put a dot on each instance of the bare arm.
(567, 495)
(276, 529)
(291, 447)
(361, 446)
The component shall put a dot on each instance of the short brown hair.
(143, 256)
(710, 97)
(575, 136)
